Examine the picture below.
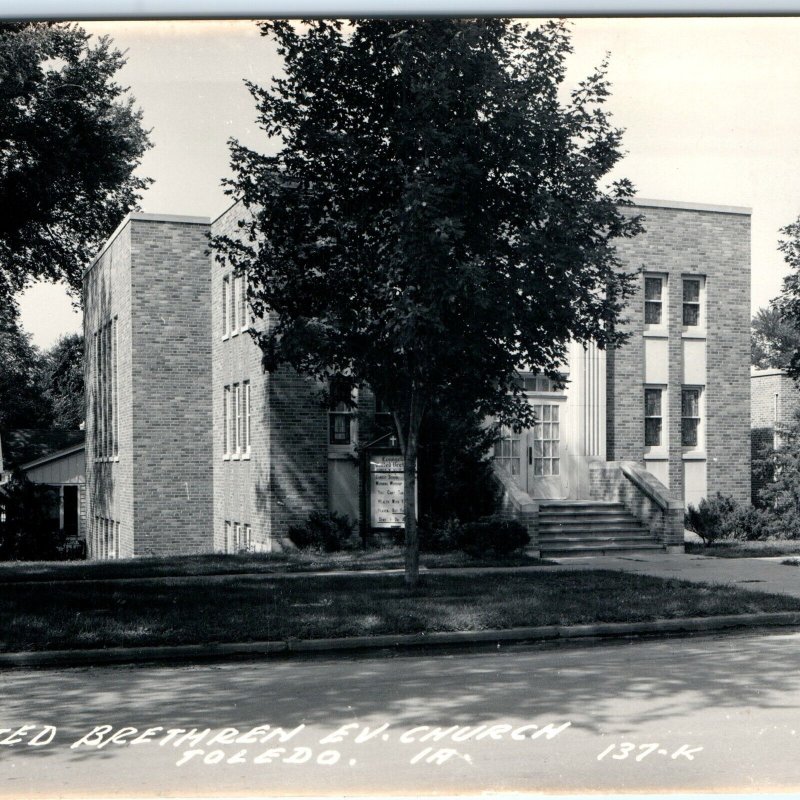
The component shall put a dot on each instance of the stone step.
(566, 505)
(599, 549)
(601, 524)
(589, 539)
(585, 514)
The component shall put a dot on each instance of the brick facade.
(152, 279)
(714, 244)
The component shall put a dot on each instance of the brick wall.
(285, 477)
(716, 245)
(107, 294)
(171, 400)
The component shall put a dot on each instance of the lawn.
(34, 616)
(251, 563)
(736, 549)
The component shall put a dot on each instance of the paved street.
(638, 712)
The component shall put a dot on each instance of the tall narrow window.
(652, 417)
(247, 538)
(226, 422)
(237, 420)
(246, 400)
(237, 537)
(690, 417)
(691, 302)
(228, 537)
(654, 300)
(243, 307)
(96, 394)
(234, 305)
(507, 451)
(226, 292)
(114, 391)
(546, 441)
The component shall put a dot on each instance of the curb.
(233, 650)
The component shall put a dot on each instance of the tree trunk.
(410, 502)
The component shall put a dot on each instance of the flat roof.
(643, 202)
(765, 373)
(144, 217)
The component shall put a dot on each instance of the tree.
(23, 399)
(773, 339)
(433, 222)
(63, 381)
(70, 141)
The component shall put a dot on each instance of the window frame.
(700, 327)
(662, 326)
(234, 305)
(226, 423)
(246, 428)
(226, 292)
(699, 428)
(236, 398)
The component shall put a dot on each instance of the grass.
(260, 608)
(735, 549)
(251, 563)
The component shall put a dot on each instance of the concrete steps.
(585, 528)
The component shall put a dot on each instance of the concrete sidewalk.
(756, 574)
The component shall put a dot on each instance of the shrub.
(440, 537)
(326, 531)
(750, 524)
(493, 536)
(708, 519)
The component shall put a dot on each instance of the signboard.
(387, 495)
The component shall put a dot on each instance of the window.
(226, 422)
(228, 537)
(106, 395)
(104, 542)
(652, 417)
(243, 301)
(692, 316)
(341, 411)
(546, 441)
(237, 537)
(690, 417)
(246, 418)
(235, 307)
(507, 451)
(226, 291)
(237, 420)
(654, 300)
(538, 383)
(247, 537)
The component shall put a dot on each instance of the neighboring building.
(53, 458)
(774, 401)
(192, 448)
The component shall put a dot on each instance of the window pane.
(515, 466)
(515, 448)
(691, 314)
(690, 405)
(538, 449)
(554, 432)
(652, 288)
(555, 466)
(505, 450)
(546, 413)
(652, 313)
(537, 466)
(689, 432)
(555, 413)
(691, 291)
(546, 462)
(652, 402)
(548, 449)
(498, 448)
(652, 432)
(545, 430)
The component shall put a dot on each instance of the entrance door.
(546, 463)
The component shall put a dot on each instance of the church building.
(191, 447)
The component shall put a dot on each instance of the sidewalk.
(754, 574)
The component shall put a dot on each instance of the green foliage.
(434, 220)
(721, 517)
(774, 339)
(29, 522)
(493, 536)
(63, 381)
(326, 531)
(24, 402)
(72, 141)
(455, 468)
(481, 538)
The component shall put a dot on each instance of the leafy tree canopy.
(63, 381)
(70, 141)
(433, 222)
(773, 339)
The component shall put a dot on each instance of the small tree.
(71, 141)
(433, 222)
(773, 339)
(63, 381)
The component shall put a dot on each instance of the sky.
(710, 108)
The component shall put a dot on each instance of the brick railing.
(643, 495)
(517, 504)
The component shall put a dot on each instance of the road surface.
(716, 712)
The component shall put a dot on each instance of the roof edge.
(37, 462)
(679, 205)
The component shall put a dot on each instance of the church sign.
(387, 494)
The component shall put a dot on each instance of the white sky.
(710, 107)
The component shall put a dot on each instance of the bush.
(493, 536)
(440, 537)
(750, 524)
(708, 520)
(326, 531)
